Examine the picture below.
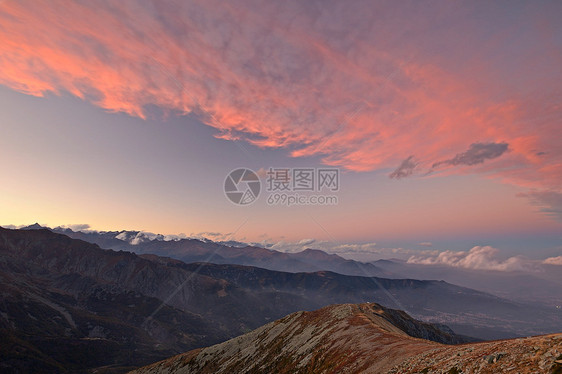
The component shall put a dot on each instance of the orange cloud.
(364, 86)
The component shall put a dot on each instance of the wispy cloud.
(548, 202)
(288, 75)
(477, 153)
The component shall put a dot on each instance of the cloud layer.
(366, 86)
(553, 261)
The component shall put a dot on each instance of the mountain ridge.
(358, 338)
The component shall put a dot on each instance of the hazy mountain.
(466, 311)
(364, 338)
(544, 285)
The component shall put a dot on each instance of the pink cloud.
(553, 261)
(365, 86)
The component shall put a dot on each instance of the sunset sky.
(444, 119)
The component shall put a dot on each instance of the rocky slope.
(363, 338)
(539, 354)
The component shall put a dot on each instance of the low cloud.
(480, 258)
(306, 241)
(477, 153)
(233, 243)
(553, 261)
(426, 244)
(211, 235)
(290, 246)
(76, 227)
(364, 248)
(359, 251)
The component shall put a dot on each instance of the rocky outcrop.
(524, 356)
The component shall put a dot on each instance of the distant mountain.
(66, 303)
(34, 226)
(195, 250)
(365, 338)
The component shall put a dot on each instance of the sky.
(443, 120)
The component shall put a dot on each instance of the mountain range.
(202, 250)
(69, 305)
(542, 285)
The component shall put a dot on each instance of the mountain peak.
(35, 226)
(317, 254)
